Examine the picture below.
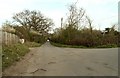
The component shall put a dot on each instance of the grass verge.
(69, 46)
(74, 46)
(32, 44)
(12, 53)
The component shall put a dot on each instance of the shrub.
(85, 38)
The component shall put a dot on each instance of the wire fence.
(9, 38)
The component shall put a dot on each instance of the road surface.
(49, 60)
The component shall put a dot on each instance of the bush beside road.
(75, 46)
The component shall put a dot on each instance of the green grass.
(108, 46)
(32, 44)
(0, 58)
(75, 46)
(65, 46)
(12, 53)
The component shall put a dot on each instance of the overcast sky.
(104, 13)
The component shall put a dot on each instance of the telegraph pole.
(61, 22)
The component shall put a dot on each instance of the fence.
(0, 37)
(8, 38)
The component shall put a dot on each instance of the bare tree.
(75, 20)
(89, 21)
(75, 16)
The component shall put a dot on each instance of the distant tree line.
(78, 30)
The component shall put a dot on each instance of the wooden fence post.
(9, 38)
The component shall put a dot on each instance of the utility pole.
(61, 22)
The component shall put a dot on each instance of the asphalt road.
(49, 60)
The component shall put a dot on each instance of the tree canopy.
(33, 20)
